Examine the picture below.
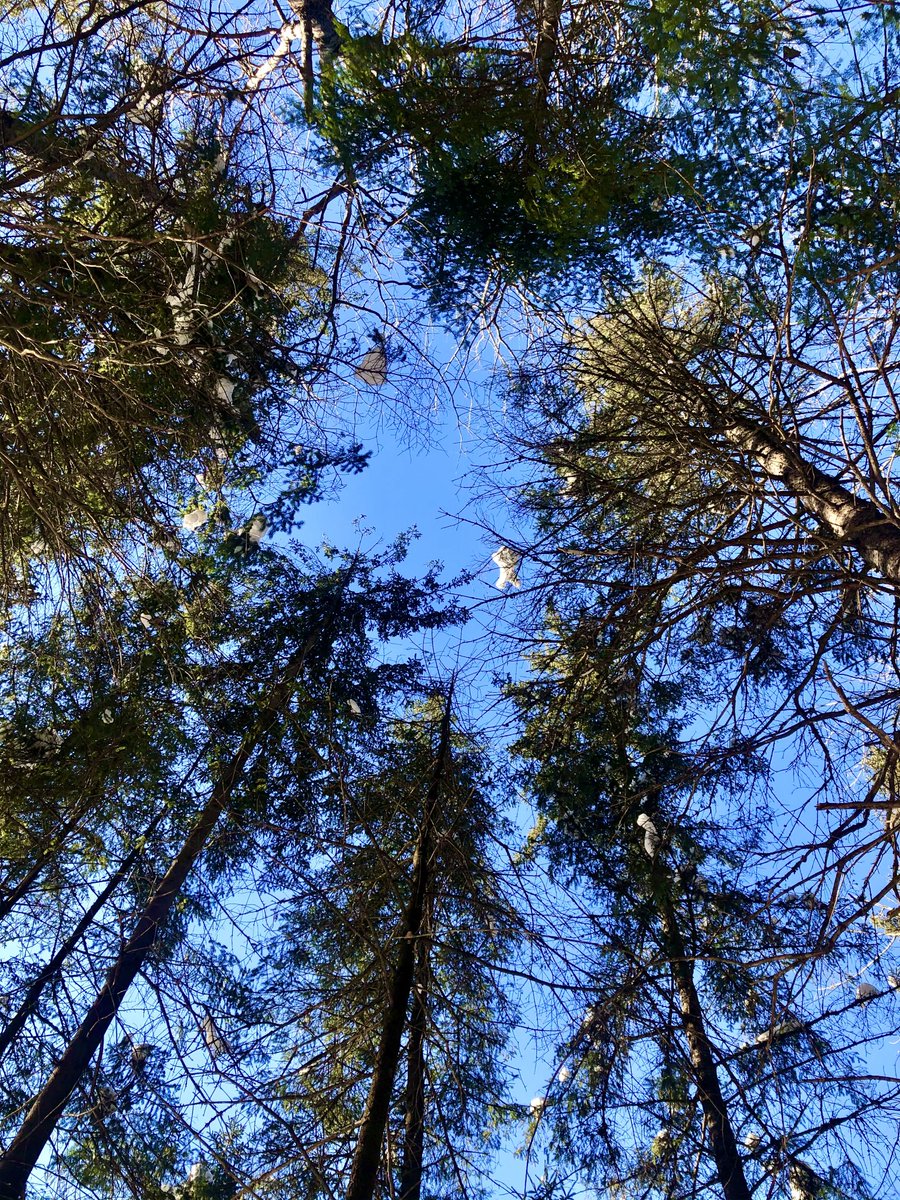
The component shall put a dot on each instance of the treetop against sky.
(568, 869)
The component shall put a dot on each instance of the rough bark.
(853, 520)
(19, 1159)
(729, 1167)
(367, 1155)
(414, 1126)
(320, 17)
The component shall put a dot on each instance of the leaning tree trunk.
(41, 1119)
(367, 1155)
(729, 1167)
(414, 1125)
(54, 965)
(12, 898)
(852, 520)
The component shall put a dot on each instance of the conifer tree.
(158, 319)
(395, 1063)
(704, 985)
(250, 660)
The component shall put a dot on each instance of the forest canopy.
(331, 870)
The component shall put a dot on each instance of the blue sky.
(403, 486)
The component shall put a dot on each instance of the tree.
(160, 318)
(553, 147)
(260, 714)
(403, 979)
(712, 558)
(693, 938)
(202, 739)
(394, 1042)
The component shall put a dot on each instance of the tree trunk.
(49, 152)
(33, 995)
(11, 899)
(367, 1156)
(729, 1167)
(853, 521)
(19, 1160)
(546, 47)
(414, 1132)
(8, 903)
(319, 16)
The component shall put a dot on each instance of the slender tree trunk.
(367, 1156)
(545, 50)
(33, 995)
(11, 899)
(729, 1167)
(414, 1132)
(19, 1160)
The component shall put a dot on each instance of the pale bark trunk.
(852, 520)
(546, 47)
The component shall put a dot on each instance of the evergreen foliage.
(275, 926)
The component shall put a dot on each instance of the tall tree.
(259, 712)
(161, 317)
(367, 1154)
(692, 943)
(548, 146)
(395, 1090)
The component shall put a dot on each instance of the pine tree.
(552, 147)
(233, 721)
(703, 1016)
(155, 315)
(395, 1062)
